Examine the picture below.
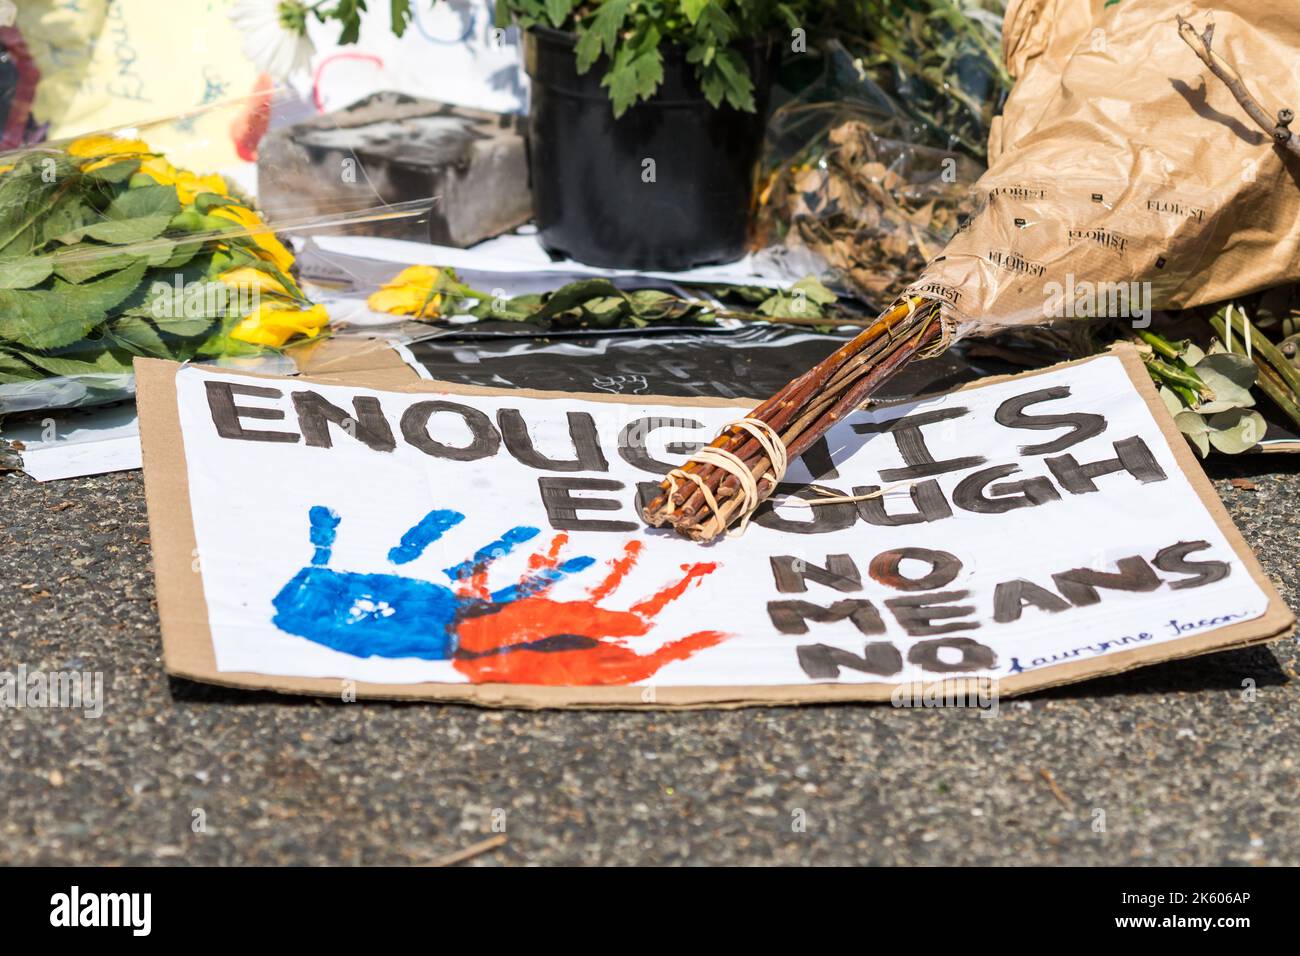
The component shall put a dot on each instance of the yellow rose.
(92, 147)
(270, 248)
(274, 324)
(246, 277)
(410, 292)
(188, 184)
(104, 151)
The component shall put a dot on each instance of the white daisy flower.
(275, 35)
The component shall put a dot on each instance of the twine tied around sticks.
(750, 498)
(834, 499)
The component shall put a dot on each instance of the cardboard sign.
(455, 543)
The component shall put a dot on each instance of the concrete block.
(392, 148)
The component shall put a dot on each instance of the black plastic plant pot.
(666, 186)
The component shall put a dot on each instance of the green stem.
(1189, 397)
(1159, 343)
(1169, 374)
(1261, 345)
(1272, 386)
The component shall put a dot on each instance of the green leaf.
(602, 33)
(737, 87)
(1236, 431)
(197, 299)
(399, 15)
(181, 253)
(221, 345)
(26, 193)
(118, 172)
(815, 291)
(520, 308)
(138, 336)
(1193, 426)
(634, 75)
(92, 358)
(14, 369)
(165, 338)
(753, 294)
(1173, 404)
(1230, 377)
(85, 260)
(136, 215)
(557, 11)
(348, 13)
(644, 300)
(804, 299)
(25, 272)
(206, 202)
(65, 313)
(693, 9)
(575, 294)
(66, 217)
(187, 327)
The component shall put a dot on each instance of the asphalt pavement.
(1178, 763)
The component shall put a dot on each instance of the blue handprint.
(388, 615)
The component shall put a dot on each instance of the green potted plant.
(646, 122)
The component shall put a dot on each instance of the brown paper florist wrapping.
(1124, 177)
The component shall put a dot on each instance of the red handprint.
(537, 640)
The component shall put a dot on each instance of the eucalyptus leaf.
(1193, 426)
(1229, 376)
(1236, 431)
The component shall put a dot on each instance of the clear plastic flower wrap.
(112, 247)
(856, 190)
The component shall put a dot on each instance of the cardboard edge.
(182, 607)
(187, 643)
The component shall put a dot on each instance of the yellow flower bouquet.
(108, 252)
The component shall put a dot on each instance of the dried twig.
(471, 851)
(701, 499)
(1056, 790)
(1279, 129)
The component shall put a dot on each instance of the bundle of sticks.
(724, 482)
